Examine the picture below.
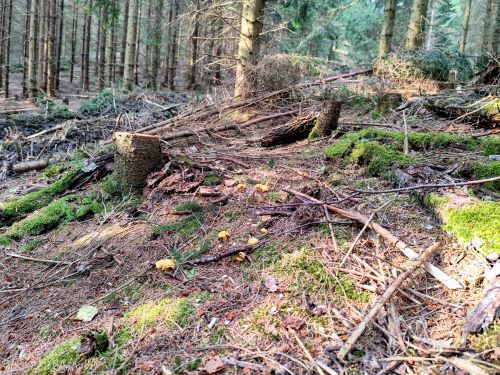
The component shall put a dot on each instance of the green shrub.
(101, 103)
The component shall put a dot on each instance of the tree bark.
(32, 51)
(128, 74)
(136, 156)
(86, 47)
(496, 37)
(193, 42)
(121, 67)
(248, 48)
(26, 48)
(42, 46)
(486, 42)
(51, 48)
(171, 66)
(137, 46)
(3, 32)
(101, 66)
(7, 49)
(428, 36)
(111, 49)
(465, 25)
(60, 38)
(74, 28)
(156, 36)
(416, 28)
(328, 118)
(387, 27)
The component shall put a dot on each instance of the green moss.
(186, 225)
(38, 199)
(212, 179)
(274, 196)
(109, 186)
(488, 170)
(52, 171)
(193, 366)
(339, 149)
(478, 222)
(219, 336)
(63, 354)
(492, 108)
(380, 159)
(267, 255)
(487, 340)
(433, 200)
(30, 245)
(5, 240)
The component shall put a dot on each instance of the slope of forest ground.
(285, 304)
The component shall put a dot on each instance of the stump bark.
(328, 118)
(136, 156)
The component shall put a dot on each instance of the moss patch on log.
(63, 354)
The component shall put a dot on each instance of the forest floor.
(285, 305)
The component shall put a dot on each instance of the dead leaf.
(241, 187)
(266, 218)
(213, 365)
(208, 192)
(293, 322)
(270, 284)
(86, 313)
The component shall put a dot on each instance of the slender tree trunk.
(3, 32)
(86, 48)
(7, 49)
(168, 38)
(486, 43)
(32, 50)
(101, 71)
(74, 28)
(193, 41)
(429, 36)
(129, 63)
(155, 54)
(248, 48)
(42, 46)
(121, 68)
(416, 28)
(60, 38)
(496, 37)
(137, 45)
(387, 27)
(26, 48)
(111, 49)
(465, 25)
(149, 43)
(51, 48)
(98, 47)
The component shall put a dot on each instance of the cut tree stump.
(328, 119)
(136, 156)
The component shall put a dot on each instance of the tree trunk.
(86, 48)
(428, 37)
(416, 28)
(74, 28)
(193, 42)
(7, 49)
(32, 51)
(387, 27)
(60, 38)
(137, 45)
(496, 37)
(156, 36)
(129, 63)
(293, 131)
(121, 68)
(101, 70)
(486, 43)
(328, 119)
(248, 48)
(149, 42)
(42, 46)
(3, 32)
(136, 156)
(26, 48)
(51, 48)
(171, 60)
(111, 49)
(465, 25)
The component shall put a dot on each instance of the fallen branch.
(29, 166)
(428, 186)
(448, 281)
(346, 348)
(49, 261)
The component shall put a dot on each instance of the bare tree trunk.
(51, 48)
(416, 28)
(32, 50)
(428, 37)
(101, 63)
(193, 41)
(60, 38)
(465, 25)
(248, 48)
(129, 63)
(7, 49)
(155, 55)
(387, 27)
(121, 68)
(171, 53)
(26, 48)
(111, 49)
(74, 28)
(137, 46)
(86, 48)
(3, 32)
(486, 43)
(149, 43)
(42, 46)
(496, 37)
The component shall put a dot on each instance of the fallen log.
(295, 130)
(485, 112)
(346, 348)
(441, 276)
(27, 166)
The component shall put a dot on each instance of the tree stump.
(136, 156)
(328, 119)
